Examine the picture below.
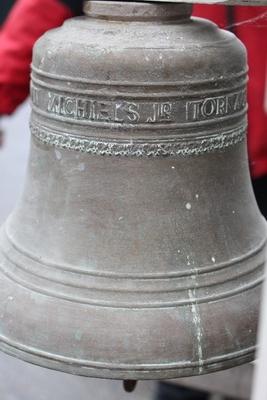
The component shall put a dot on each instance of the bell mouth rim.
(88, 368)
(136, 11)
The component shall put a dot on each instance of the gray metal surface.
(20, 380)
(23, 381)
(137, 249)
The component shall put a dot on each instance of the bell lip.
(162, 372)
(136, 11)
(20, 344)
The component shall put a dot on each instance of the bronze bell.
(137, 249)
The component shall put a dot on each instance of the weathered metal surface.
(137, 249)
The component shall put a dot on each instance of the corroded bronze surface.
(137, 249)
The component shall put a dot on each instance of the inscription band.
(178, 146)
(174, 112)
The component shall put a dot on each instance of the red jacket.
(27, 21)
(251, 28)
(31, 18)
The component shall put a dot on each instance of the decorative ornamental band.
(178, 146)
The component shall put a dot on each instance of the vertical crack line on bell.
(198, 327)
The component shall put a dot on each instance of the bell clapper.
(129, 385)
